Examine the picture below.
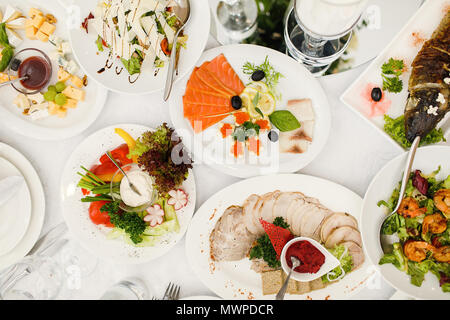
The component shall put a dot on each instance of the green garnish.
(284, 120)
(130, 222)
(246, 130)
(260, 112)
(395, 128)
(346, 260)
(272, 77)
(99, 43)
(133, 65)
(391, 72)
(264, 248)
(8, 50)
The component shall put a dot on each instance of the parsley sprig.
(264, 248)
(391, 72)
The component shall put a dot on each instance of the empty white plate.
(15, 213)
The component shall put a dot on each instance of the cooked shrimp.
(442, 201)
(434, 223)
(442, 254)
(416, 250)
(409, 208)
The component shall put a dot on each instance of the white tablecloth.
(353, 155)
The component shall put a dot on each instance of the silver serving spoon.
(295, 263)
(132, 186)
(183, 11)
(13, 81)
(388, 240)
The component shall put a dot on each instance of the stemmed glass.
(317, 32)
(238, 18)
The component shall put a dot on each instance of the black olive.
(377, 94)
(236, 102)
(273, 136)
(258, 75)
(15, 64)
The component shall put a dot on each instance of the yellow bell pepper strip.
(128, 140)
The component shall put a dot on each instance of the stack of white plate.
(22, 211)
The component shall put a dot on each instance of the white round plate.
(50, 128)
(37, 205)
(15, 214)
(235, 280)
(75, 212)
(85, 50)
(427, 159)
(296, 83)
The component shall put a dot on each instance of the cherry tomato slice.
(98, 217)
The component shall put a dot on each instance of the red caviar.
(241, 117)
(263, 124)
(226, 130)
(311, 258)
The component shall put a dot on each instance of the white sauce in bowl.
(143, 183)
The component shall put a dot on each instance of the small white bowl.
(331, 261)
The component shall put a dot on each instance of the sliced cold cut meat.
(248, 217)
(336, 220)
(356, 252)
(282, 203)
(266, 208)
(311, 221)
(342, 234)
(230, 240)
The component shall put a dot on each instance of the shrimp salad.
(140, 32)
(423, 228)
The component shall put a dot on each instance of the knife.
(9, 187)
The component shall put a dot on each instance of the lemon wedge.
(266, 102)
(259, 86)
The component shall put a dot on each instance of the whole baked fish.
(429, 84)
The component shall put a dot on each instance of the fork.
(172, 292)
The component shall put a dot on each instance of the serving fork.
(172, 292)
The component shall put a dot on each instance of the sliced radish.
(178, 199)
(155, 215)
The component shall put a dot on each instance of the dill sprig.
(272, 77)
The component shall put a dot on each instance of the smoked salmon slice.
(196, 97)
(212, 81)
(201, 124)
(196, 84)
(209, 90)
(225, 72)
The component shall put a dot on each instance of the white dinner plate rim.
(205, 211)
(83, 242)
(35, 131)
(204, 40)
(38, 205)
(293, 165)
(368, 65)
(374, 262)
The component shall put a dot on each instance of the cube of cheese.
(42, 36)
(47, 28)
(35, 12)
(63, 75)
(72, 93)
(52, 108)
(71, 103)
(5, 77)
(77, 82)
(62, 112)
(30, 32)
(38, 21)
